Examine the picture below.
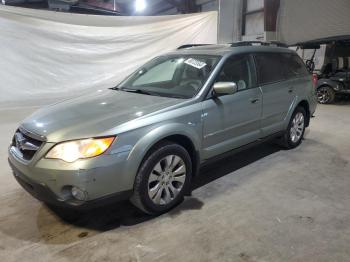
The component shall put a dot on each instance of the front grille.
(25, 144)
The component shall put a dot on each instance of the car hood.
(92, 115)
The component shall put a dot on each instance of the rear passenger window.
(294, 66)
(270, 68)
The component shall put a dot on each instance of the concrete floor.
(264, 204)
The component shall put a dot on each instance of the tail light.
(314, 80)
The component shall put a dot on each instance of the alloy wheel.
(166, 180)
(297, 128)
(323, 95)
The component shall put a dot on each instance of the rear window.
(274, 67)
(270, 68)
(294, 66)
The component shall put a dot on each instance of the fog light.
(79, 194)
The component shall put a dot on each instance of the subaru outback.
(145, 139)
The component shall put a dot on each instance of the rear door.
(278, 91)
(298, 76)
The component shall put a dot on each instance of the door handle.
(290, 90)
(254, 100)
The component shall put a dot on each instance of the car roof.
(228, 49)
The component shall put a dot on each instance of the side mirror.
(224, 88)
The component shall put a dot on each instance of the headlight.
(85, 148)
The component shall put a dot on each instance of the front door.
(232, 121)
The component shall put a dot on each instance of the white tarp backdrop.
(44, 54)
(305, 20)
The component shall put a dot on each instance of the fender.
(297, 100)
(291, 109)
(144, 144)
(328, 82)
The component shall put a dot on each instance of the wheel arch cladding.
(326, 82)
(304, 104)
(186, 143)
(177, 133)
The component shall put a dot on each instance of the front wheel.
(296, 129)
(163, 178)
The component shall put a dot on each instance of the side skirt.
(242, 148)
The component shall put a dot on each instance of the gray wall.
(230, 20)
(254, 24)
(206, 5)
(306, 20)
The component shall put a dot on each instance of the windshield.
(180, 76)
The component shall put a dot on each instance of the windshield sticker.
(195, 63)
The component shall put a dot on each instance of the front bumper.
(104, 179)
(43, 193)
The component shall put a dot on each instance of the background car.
(334, 76)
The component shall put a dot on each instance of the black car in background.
(334, 76)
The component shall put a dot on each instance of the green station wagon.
(146, 138)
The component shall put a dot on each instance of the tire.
(296, 129)
(160, 184)
(325, 95)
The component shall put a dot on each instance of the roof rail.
(251, 43)
(191, 45)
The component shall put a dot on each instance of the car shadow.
(36, 222)
(125, 214)
(232, 163)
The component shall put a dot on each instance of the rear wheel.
(325, 95)
(163, 178)
(296, 129)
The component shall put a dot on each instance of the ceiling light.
(140, 5)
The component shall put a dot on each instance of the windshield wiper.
(138, 91)
(130, 90)
(177, 96)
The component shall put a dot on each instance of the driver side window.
(238, 69)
